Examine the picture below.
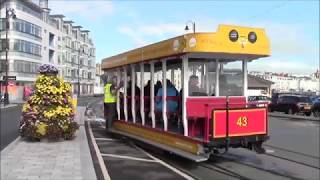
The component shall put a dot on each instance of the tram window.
(174, 69)
(146, 83)
(211, 65)
(129, 95)
(121, 90)
(231, 79)
(137, 88)
(157, 77)
(146, 90)
(197, 83)
(157, 87)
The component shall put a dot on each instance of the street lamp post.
(9, 13)
(193, 26)
(78, 73)
(79, 51)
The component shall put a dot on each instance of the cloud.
(142, 34)
(91, 10)
(135, 37)
(280, 65)
(288, 38)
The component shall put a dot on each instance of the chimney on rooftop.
(44, 6)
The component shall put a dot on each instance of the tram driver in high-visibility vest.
(110, 100)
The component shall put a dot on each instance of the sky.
(119, 26)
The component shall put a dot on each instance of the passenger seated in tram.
(172, 105)
(147, 98)
(137, 100)
(157, 86)
(194, 89)
(147, 88)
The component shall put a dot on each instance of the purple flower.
(48, 69)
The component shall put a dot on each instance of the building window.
(28, 10)
(51, 40)
(25, 66)
(26, 47)
(2, 24)
(2, 44)
(2, 65)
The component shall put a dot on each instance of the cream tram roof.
(214, 45)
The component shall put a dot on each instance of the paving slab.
(24, 159)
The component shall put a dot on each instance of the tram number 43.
(242, 121)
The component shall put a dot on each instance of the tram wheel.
(257, 147)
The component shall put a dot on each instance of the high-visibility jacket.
(108, 96)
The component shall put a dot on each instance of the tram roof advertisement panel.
(229, 42)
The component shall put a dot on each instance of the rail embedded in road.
(309, 118)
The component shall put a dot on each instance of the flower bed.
(49, 111)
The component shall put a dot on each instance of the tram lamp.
(193, 26)
(10, 13)
(233, 35)
(252, 37)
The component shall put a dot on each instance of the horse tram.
(188, 94)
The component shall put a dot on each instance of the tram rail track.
(294, 161)
(225, 171)
(230, 167)
(288, 150)
(303, 155)
(249, 165)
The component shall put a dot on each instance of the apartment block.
(37, 37)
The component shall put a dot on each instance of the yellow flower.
(25, 107)
(42, 128)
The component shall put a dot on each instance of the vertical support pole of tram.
(227, 124)
(245, 77)
(203, 76)
(185, 92)
(118, 93)
(125, 100)
(142, 93)
(217, 78)
(133, 98)
(172, 76)
(152, 94)
(164, 95)
(207, 78)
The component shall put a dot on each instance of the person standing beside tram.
(110, 100)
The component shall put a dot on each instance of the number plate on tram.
(242, 122)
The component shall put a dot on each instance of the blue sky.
(118, 26)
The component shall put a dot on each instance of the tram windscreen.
(197, 78)
(231, 79)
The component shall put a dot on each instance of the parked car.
(291, 104)
(316, 107)
(259, 101)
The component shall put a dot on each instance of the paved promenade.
(67, 160)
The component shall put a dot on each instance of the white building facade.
(99, 84)
(291, 83)
(35, 38)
